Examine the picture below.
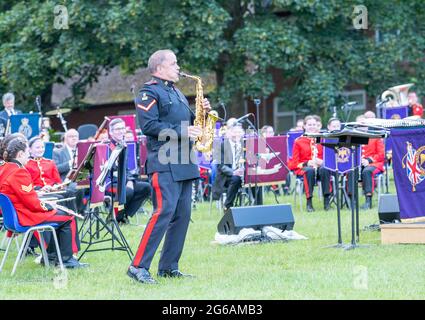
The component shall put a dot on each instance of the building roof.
(114, 87)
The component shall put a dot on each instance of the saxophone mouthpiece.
(182, 74)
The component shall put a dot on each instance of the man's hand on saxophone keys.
(194, 131)
(206, 105)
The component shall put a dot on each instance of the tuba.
(397, 95)
(203, 119)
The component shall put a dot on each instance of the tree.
(312, 42)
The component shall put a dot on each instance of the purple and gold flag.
(344, 158)
(394, 113)
(409, 172)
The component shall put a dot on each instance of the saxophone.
(205, 120)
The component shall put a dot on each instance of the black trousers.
(311, 176)
(368, 184)
(172, 209)
(232, 184)
(67, 234)
(134, 197)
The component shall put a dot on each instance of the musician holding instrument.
(415, 108)
(230, 169)
(372, 163)
(136, 189)
(166, 120)
(46, 178)
(16, 183)
(9, 106)
(307, 162)
(66, 157)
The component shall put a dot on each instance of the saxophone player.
(165, 118)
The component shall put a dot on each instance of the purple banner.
(263, 161)
(409, 172)
(131, 156)
(344, 158)
(393, 113)
(100, 160)
(292, 135)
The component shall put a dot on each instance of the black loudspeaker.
(388, 208)
(256, 217)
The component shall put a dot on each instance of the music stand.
(350, 137)
(96, 223)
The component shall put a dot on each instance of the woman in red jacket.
(16, 183)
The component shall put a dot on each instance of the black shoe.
(327, 204)
(31, 252)
(141, 275)
(173, 274)
(310, 205)
(74, 264)
(368, 204)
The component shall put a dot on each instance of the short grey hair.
(8, 97)
(114, 122)
(156, 59)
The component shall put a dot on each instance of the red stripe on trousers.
(152, 222)
(306, 188)
(59, 218)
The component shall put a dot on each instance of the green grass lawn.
(301, 269)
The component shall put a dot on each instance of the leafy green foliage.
(312, 42)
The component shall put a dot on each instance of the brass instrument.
(205, 120)
(397, 95)
(73, 173)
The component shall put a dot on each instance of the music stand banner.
(130, 122)
(100, 159)
(409, 172)
(82, 149)
(262, 163)
(131, 156)
(393, 113)
(344, 157)
(292, 135)
(26, 123)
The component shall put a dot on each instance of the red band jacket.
(374, 152)
(16, 183)
(302, 152)
(43, 172)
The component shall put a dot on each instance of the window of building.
(358, 96)
(284, 117)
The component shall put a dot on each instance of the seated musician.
(46, 178)
(415, 108)
(16, 183)
(136, 189)
(66, 157)
(307, 161)
(372, 163)
(229, 167)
